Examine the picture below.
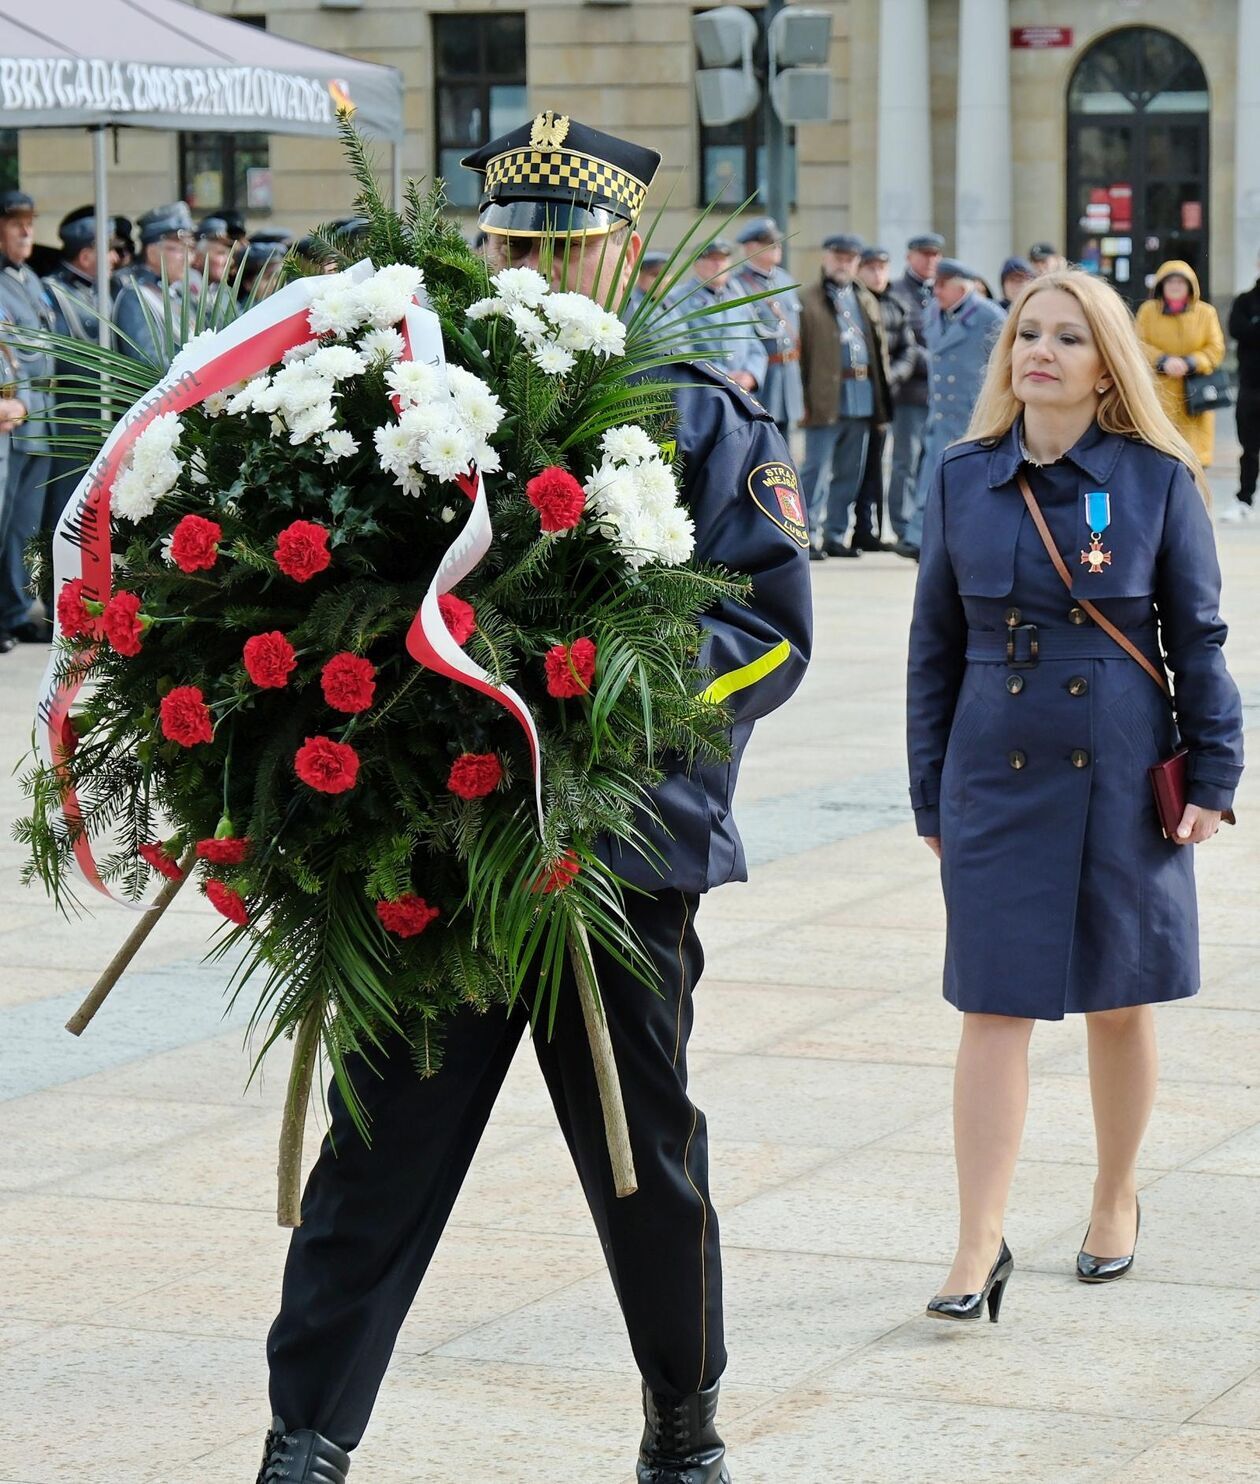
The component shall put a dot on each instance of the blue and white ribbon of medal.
(1097, 519)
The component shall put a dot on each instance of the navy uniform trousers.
(372, 1216)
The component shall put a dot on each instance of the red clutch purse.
(1168, 781)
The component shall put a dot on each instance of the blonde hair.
(1129, 406)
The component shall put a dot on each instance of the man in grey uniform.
(914, 291)
(27, 305)
(166, 241)
(720, 329)
(778, 319)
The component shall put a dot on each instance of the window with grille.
(479, 90)
(226, 172)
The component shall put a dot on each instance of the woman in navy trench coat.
(1030, 735)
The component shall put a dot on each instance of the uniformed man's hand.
(1197, 825)
(12, 412)
(933, 843)
(744, 379)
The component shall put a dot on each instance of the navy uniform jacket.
(742, 491)
(779, 325)
(24, 302)
(1062, 892)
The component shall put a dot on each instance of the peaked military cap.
(1017, 265)
(843, 242)
(557, 177)
(927, 242)
(273, 236)
(164, 221)
(875, 255)
(760, 229)
(952, 268)
(1040, 251)
(718, 248)
(214, 229)
(12, 203)
(77, 233)
(653, 259)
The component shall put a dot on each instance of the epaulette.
(971, 445)
(707, 371)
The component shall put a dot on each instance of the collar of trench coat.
(1095, 453)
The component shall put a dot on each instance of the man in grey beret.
(158, 280)
(914, 290)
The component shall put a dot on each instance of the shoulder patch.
(711, 373)
(776, 492)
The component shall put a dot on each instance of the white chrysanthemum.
(310, 422)
(478, 409)
(410, 483)
(628, 445)
(216, 404)
(657, 490)
(487, 458)
(638, 539)
(393, 448)
(245, 400)
(485, 309)
(399, 278)
(384, 301)
(553, 359)
(305, 397)
(571, 312)
(382, 345)
(531, 327)
(463, 383)
(133, 497)
(613, 492)
(162, 435)
(168, 556)
(278, 429)
(413, 382)
(338, 445)
(197, 468)
(607, 335)
(676, 536)
(520, 286)
(300, 352)
(194, 342)
(337, 308)
(448, 513)
(447, 454)
(337, 362)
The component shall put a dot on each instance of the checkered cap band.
(561, 173)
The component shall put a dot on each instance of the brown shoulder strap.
(1060, 566)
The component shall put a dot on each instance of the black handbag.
(1208, 393)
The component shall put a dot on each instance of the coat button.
(1016, 759)
(1077, 615)
(1077, 686)
(1080, 758)
(1014, 684)
(1013, 618)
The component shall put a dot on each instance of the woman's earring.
(1102, 390)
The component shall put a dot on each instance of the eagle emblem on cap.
(548, 131)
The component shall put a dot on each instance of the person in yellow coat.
(1181, 335)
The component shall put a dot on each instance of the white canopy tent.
(164, 64)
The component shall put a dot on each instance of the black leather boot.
(302, 1457)
(680, 1442)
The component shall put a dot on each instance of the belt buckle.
(1024, 628)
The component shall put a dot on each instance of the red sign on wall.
(1120, 198)
(1040, 38)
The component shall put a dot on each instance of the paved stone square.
(140, 1261)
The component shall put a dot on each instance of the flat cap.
(1039, 251)
(653, 259)
(556, 177)
(718, 248)
(78, 233)
(164, 221)
(760, 229)
(952, 268)
(927, 242)
(1017, 265)
(15, 203)
(214, 229)
(875, 255)
(843, 242)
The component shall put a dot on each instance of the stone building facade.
(998, 122)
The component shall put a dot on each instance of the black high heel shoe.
(969, 1306)
(1106, 1270)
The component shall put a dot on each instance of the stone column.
(1246, 154)
(904, 126)
(984, 136)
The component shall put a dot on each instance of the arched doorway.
(1138, 158)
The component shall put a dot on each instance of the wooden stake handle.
(82, 1017)
(289, 1171)
(615, 1129)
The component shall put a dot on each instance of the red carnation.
(230, 903)
(473, 775)
(269, 660)
(327, 766)
(349, 682)
(195, 543)
(560, 874)
(460, 617)
(72, 613)
(227, 852)
(407, 916)
(122, 623)
(186, 717)
(69, 738)
(302, 550)
(161, 860)
(558, 498)
(570, 670)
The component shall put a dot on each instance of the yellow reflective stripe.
(746, 675)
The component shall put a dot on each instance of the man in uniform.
(778, 319)
(726, 336)
(372, 1215)
(904, 355)
(914, 290)
(651, 266)
(156, 283)
(27, 305)
(844, 369)
(960, 330)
